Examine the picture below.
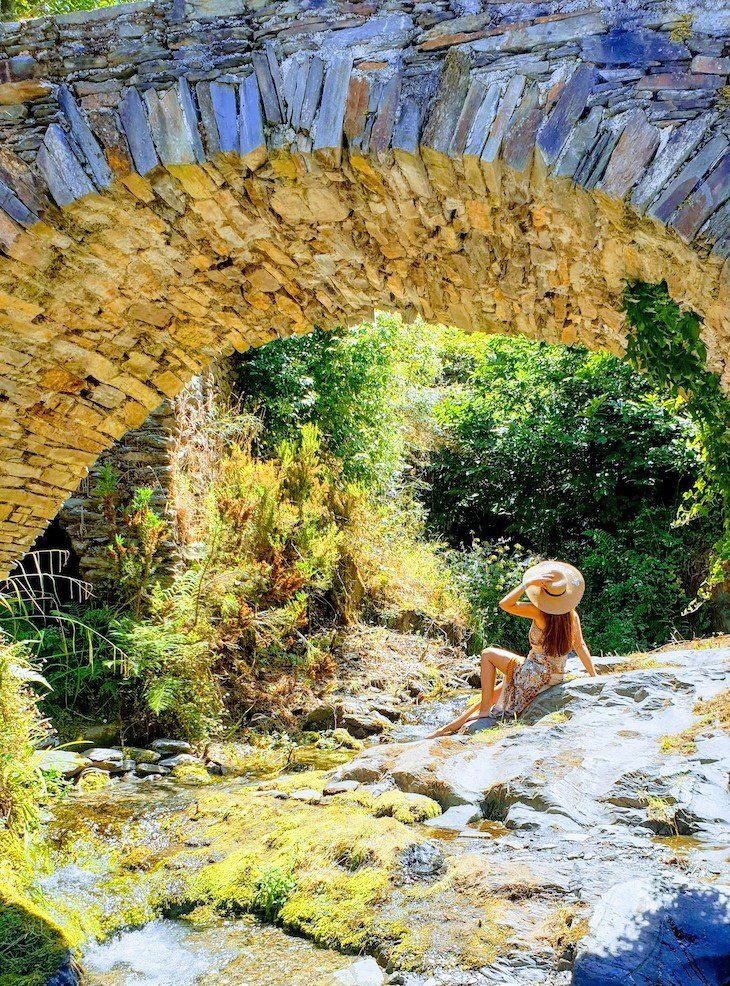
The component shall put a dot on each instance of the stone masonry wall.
(178, 180)
(141, 458)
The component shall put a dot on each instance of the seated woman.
(553, 589)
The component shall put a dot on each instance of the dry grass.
(712, 712)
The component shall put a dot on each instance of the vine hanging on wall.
(664, 343)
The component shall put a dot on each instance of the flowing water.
(243, 952)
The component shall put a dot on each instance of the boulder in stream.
(645, 932)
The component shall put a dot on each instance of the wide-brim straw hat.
(564, 592)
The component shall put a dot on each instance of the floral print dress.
(529, 676)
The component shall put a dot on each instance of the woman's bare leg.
(493, 659)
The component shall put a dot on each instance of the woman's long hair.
(557, 637)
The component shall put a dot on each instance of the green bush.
(363, 388)
(21, 782)
(569, 454)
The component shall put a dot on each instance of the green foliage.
(22, 9)
(137, 537)
(362, 387)
(665, 344)
(570, 454)
(21, 782)
(32, 946)
(271, 890)
(540, 441)
(485, 573)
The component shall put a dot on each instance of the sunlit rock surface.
(586, 844)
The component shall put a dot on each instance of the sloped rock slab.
(645, 932)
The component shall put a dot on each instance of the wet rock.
(321, 717)
(169, 747)
(361, 721)
(178, 759)
(364, 972)
(140, 755)
(421, 860)
(105, 759)
(65, 763)
(343, 738)
(455, 819)
(151, 770)
(307, 794)
(645, 932)
(341, 787)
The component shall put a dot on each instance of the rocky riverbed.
(585, 844)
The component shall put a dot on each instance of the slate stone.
(689, 177)
(173, 124)
(191, 118)
(519, 142)
(267, 72)
(445, 109)
(707, 64)
(507, 106)
(14, 207)
(223, 98)
(483, 120)
(81, 133)
(177, 760)
(251, 123)
(312, 93)
(151, 770)
(647, 931)
(474, 99)
(632, 47)
(717, 231)
(580, 139)
(590, 170)
(661, 82)
(362, 972)
(567, 111)
(713, 192)
(104, 758)
(300, 72)
(137, 131)
(64, 763)
(406, 136)
(384, 121)
(66, 179)
(327, 133)
(680, 143)
(170, 746)
(635, 148)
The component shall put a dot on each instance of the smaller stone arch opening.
(49, 575)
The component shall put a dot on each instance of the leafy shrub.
(363, 388)
(657, 325)
(569, 454)
(21, 782)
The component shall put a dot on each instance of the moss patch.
(330, 871)
(406, 808)
(712, 713)
(32, 946)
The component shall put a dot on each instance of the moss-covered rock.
(33, 947)
(333, 871)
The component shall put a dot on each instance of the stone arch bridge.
(181, 179)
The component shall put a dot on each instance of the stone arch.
(177, 181)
